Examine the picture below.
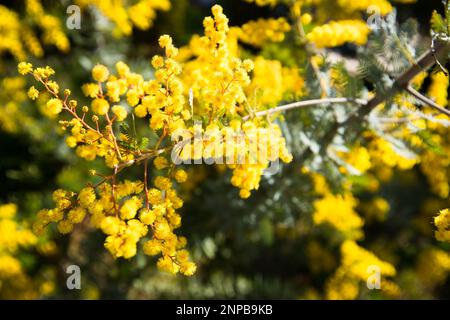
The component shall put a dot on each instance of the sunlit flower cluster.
(355, 262)
(338, 211)
(337, 33)
(20, 39)
(14, 282)
(259, 32)
(438, 88)
(213, 86)
(140, 14)
(442, 223)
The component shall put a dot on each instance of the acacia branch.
(426, 100)
(306, 103)
(425, 61)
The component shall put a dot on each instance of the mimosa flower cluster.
(13, 237)
(213, 86)
(21, 39)
(261, 31)
(355, 261)
(140, 14)
(442, 223)
(210, 102)
(336, 33)
(346, 25)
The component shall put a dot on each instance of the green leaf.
(447, 16)
(438, 23)
(426, 138)
(143, 143)
(347, 84)
(124, 128)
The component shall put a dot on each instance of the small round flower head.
(54, 106)
(86, 197)
(76, 215)
(147, 216)
(157, 62)
(25, 68)
(129, 208)
(65, 226)
(120, 112)
(33, 93)
(100, 73)
(181, 176)
(152, 247)
(71, 142)
(122, 68)
(188, 268)
(140, 111)
(164, 41)
(160, 163)
(244, 193)
(163, 183)
(110, 225)
(100, 106)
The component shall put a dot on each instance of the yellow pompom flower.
(120, 112)
(86, 197)
(160, 163)
(261, 31)
(181, 176)
(147, 216)
(130, 207)
(163, 183)
(152, 247)
(100, 106)
(140, 111)
(122, 69)
(442, 223)
(162, 230)
(338, 211)
(100, 73)
(65, 226)
(33, 93)
(54, 106)
(188, 268)
(24, 68)
(76, 215)
(438, 88)
(110, 225)
(336, 33)
(165, 41)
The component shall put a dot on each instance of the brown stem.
(147, 203)
(424, 62)
(309, 50)
(111, 131)
(113, 187)
(427, 100)
(306, 103)
(402, 83)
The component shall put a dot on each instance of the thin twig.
(423, 63)
(113, 187)
(310, 51)
(113, 137)
(147, 202)
(402, 83)
(427, 100)
(306, 103)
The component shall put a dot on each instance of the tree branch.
(306, 103)
(427, 100)
(425, 61)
